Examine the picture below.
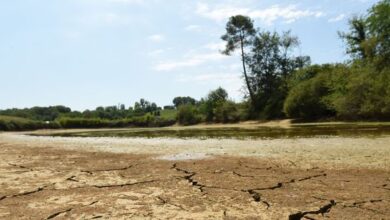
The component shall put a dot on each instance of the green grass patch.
(168, 114)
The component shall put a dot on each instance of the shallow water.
(295, 131)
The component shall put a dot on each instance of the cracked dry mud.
(47, 180)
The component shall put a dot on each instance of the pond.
(259, 132)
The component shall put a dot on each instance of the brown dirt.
(49, 181)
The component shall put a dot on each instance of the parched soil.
(106, 178)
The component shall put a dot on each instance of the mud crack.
(124, 184)
(311, 177)
(54, 215)
(323, 210)
(257, 198)
(108, 170)
(189, 177)
(281, 184)
(59, 213)
(24, 193)
(360, 204)
(241, 175)
(72, 178)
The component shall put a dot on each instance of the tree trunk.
(252, 97)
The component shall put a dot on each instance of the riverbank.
(168, 178)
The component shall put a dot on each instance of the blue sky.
(89, 53)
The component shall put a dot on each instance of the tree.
(305, 100)
(218, 95)
(378, 22)
(214, 100)
(144, 106)
(188, 115)
(356, 37)
(239, 34)
(368, 38)
(271, 62)
(177, 101)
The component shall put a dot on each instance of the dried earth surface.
(168, 178)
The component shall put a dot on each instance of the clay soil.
(50, 178)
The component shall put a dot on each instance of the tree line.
(278, 84)
(281, 84)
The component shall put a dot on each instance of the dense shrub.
(306, 100)
(354, 92)
(8, 123)
(83, 123)
(37, 113)
(163, 122)
(141, 121)
(188, 115)
(227, 112)
(367, 95)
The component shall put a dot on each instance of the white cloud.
(337, 18)
(156, 38)
(288, 14)
(189, 61)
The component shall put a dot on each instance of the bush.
(355, 92)
(188, 115)
(227, 112)
(163, 122)
(367, 96)
(8, 123)
(83, 123)
(306, 100)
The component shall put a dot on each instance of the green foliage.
(168, 114)
(279, 83)
(188, 115)
(346, 92)
(37, 113)
(271, 63)
(9, 123)
(239, 34)
(178, 101)
(356, 37)
(306, 99)
(367, 95)
(239, 30)
(378, 22)
(83, 123)
(138, 121)
(369, 36)
(144, 106)
(215, 99)
(227, 112)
